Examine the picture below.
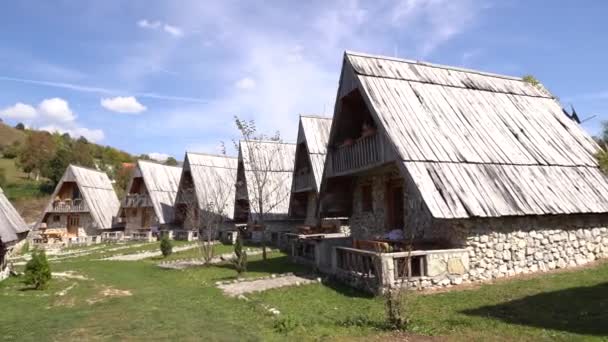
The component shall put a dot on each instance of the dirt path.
(259, 285)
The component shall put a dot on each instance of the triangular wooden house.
(266, 165)
(12, 229)
(207, 187)
(313, 133)
(148, 203)
(464, 159)
(83, 204)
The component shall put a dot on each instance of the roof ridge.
(157, 163)
(433, 65)
(268, 141)
(212, 154)
(313, 116)
(88, 168)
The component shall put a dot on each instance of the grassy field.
(26, 195)
(136, 300)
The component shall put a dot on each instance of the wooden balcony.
(303, 182)
(68, 206)
(363, 154)
(136, 201)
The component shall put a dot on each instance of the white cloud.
(159, 156)
(121, 104)
(245, 83)
(53, 115)
(144, 23)
(19, 111)
(93, 135)
(158, 25)
(99, 90)
(435, 22)
(173, 30)
(56, 109)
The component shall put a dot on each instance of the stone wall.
(134, 219)
(86, 223)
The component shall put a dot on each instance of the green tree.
(12, 151)
(55, 168)
(38, 150)
(166, 247)
(37, 271)
(20, 126)
(171, 161)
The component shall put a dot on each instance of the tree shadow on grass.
(580, 310)
(271, 265)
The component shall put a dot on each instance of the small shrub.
(531, 80)
(240, 259)
(166, 247)
(286, 324)
(396, 304)
(37, 271)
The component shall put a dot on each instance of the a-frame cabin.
(205, 197)
(83, 204)
(150, 196)
(311, 148)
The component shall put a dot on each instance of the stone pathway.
(148, 254)
(241, 287)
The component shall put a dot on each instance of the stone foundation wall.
(509, 246)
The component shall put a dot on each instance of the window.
(367, 204)
(56, 218)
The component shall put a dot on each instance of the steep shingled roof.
(161, 182)
(479, 144)
(276, 161)
(214, 177)
(11, 222)
(96, 190)
(314, 131)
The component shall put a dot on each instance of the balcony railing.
(136, 201)
(302, 182)
(362, 153)
(68, 206)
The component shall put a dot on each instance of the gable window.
(56, 218)
(367, 200)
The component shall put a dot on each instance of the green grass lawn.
(136, 300)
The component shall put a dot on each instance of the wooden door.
(73, 224)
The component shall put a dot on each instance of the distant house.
(266, 165)
(12, 230)
(83, 204)
(311, 148)
(206, 188)
(149, 198)
(483, 172)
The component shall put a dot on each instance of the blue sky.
(163, 77)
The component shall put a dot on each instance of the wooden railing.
(136, 201)
(362, 153)
(302, 182)
(68, 206)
